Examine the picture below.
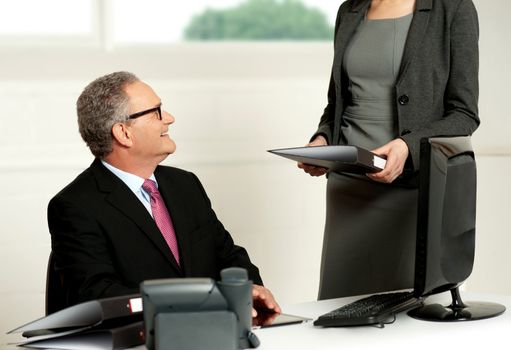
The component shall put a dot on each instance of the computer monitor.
(446, 226)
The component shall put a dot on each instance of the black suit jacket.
(436, 91)
(105, 242)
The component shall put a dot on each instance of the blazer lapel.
(124, 200)
(347, 27)
(416, 33)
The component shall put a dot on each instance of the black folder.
(110, 323)
(105, 338)
(341, 159)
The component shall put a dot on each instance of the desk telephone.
(196, 313)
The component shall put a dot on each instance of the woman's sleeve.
(326, 123)
(462, 88)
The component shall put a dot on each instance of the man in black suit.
(106, 237)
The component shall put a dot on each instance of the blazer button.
(403, 100)
(405, 132)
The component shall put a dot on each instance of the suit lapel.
(416, 34)
(174, 200)
(124, 200)
(347, 27)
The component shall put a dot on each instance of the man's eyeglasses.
(147, 111)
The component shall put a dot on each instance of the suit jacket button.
(403, 100)
(405, 131)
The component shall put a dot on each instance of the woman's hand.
(311, 169)
(396, 152)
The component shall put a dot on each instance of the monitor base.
(458, 310)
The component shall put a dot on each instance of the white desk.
(404, 333)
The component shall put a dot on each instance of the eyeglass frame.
(147, 111)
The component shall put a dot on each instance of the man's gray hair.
(101, 105)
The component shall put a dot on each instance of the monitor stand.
(458, 310)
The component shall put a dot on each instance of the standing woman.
(402, 70)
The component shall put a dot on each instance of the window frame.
(97, 38)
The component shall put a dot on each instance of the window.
(114, 23)
(49, 21)
(163, 22)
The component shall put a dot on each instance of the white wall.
(232, 102)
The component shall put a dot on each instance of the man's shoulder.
(82, 186)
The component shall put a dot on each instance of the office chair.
(55, 298)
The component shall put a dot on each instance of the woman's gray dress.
(369, 241)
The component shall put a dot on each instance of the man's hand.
(311, 169)
(263, 300)
(396, 152)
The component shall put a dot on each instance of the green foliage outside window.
(261, 20)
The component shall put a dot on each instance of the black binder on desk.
(341, 159)
(99, 338)
(110, 323)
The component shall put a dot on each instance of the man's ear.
(122, 134)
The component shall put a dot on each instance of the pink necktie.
(161, 217)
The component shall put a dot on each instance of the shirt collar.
(134, 182)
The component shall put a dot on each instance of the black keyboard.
(375, 309)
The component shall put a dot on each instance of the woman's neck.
(381, 9)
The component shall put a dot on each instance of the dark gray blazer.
(436, 91)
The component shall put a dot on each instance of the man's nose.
(167, 117)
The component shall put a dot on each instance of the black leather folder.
(110, 323)
(105, 338)
(341, 159)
